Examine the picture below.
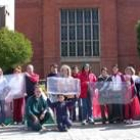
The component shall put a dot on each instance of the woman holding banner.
(88, 80)
(3, 84)
(132, 108)
(116, 114)
(18, 104)
(66, 88)
(76, 74)
(65, 71)
(53, 73)
(102, 85)
(31, 80)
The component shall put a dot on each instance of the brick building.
(101, 32)
(7, 14)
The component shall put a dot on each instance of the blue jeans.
(2, 111)
(87, 108)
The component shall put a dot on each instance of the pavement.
(77, 132)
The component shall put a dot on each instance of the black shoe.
(103, 122)
(111, 122)
(68, 127)
(63, 130)
(3, 124)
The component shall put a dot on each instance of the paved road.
(77, 132)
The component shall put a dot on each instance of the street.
(77, 132)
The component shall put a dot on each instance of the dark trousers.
(2, 111)
(117, 112)
(63, 123)
(87, 109)
(72, 111)
(36, 126)
(80, 109)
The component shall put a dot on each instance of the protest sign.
(114, 93)
(66, 86)
(12, 86)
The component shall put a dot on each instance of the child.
(63, 121)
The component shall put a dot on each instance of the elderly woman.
(132, 108)
(65, 71)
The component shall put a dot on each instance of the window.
(2, 17)
(79, 32)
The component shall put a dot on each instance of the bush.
(15, 49)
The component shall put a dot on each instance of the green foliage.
(15, 49)
(138, 36)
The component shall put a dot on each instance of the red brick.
(40, 21)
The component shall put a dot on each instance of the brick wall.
(29, 21)
(40, 21)
(128, 15)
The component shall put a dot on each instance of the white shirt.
(117, 83)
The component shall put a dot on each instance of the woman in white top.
(3, 84)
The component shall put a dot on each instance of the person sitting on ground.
(63, 121)
(37, 110)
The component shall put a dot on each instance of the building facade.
(100, 32)
(7, 14)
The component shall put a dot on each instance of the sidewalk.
(77, 132)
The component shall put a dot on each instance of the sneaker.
(43, 130)
(64, 130)
(19, 123)
(103, 122)
(15, 123)
(84, 122)
(91, 121)
(2, 124)
(130, 121)
(27, 129)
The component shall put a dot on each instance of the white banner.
(12, 86)
(115, 93)
(66, 86)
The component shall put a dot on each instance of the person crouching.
(63, 121)
(36, 110)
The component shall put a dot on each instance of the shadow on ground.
(13, 129)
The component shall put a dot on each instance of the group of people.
(17, 105)
(35, 108)
(90, 105)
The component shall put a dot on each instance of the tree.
(138, 36)
(15, 49)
